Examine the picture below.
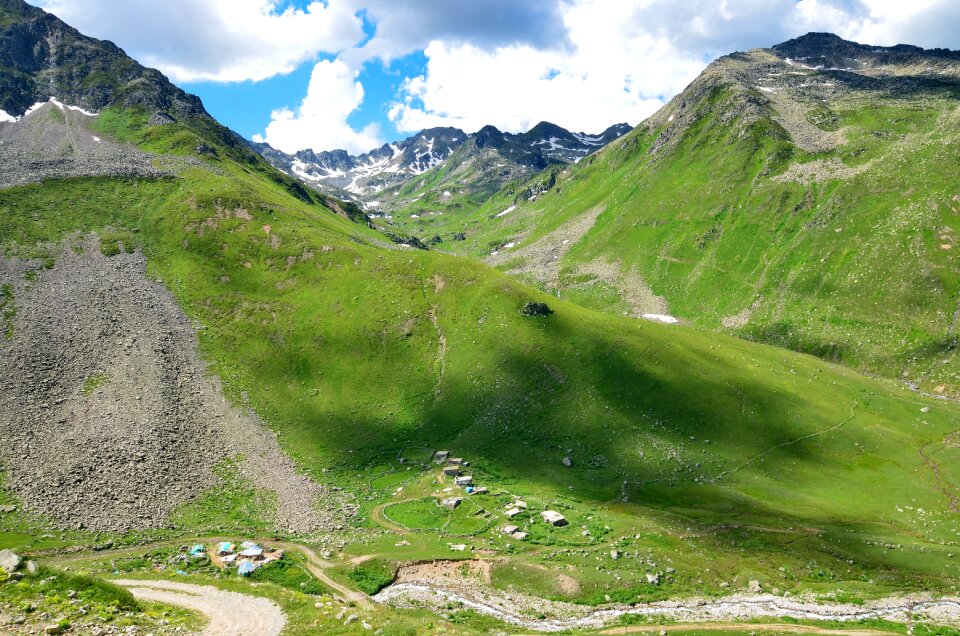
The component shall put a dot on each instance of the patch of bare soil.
(445, 572)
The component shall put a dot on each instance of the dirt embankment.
(108, 416)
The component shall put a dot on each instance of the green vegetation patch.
(8, 310)
(373, 575)
(421, 514)
(94, 382)
(287, 573)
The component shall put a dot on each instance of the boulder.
(567, 461)
(536, 309)
(9, 561)
(755, 586)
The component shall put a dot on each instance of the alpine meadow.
(696, 376)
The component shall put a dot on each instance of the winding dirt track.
(229, 613)
(315, 565)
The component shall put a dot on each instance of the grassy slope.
(860, 270)
(353, 353)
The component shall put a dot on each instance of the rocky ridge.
(41, 56)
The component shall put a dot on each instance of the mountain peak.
(42, 57)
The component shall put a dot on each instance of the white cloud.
(410, 25)
(625, 58)
(219, 40)
(611, 72)
(321, 120)
(584, 64)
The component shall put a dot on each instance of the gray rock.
(536, 309)
(9, 561)
(567, 461)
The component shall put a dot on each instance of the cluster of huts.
(247, 558)
(453, 468)
(517, 508)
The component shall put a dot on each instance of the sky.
(355, 74)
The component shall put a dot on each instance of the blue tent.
(246, 568)
(197, 550)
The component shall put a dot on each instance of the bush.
(88, 589)
(290, 575)
(372, 576)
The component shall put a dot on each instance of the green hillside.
(811, 209)
(687, 462)
(357, 353)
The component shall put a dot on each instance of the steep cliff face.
(41, 57)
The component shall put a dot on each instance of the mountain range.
(195, 346)
(365, 176)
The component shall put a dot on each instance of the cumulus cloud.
(320, 122)
(624, 59)
(219, 40)
(584, 64)
(403, 27)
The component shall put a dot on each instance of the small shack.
(520, 536)
(451, 503)
(252, 552)
(554, 518)
(479, 491)
(456, 461)
(440, 457)
(509, 529)
(464, 480)
(513, 512)
(451, 471)
(247, 568)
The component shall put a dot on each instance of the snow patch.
(507, 211)
(96, 139)
(670, 320)
(6, 118)
(588, 140)
(32, 109)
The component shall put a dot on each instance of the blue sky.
(354, 74)
(381, 83)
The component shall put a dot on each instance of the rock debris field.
(108, 419)
(55, 142)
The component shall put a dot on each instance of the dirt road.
(229, 613)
